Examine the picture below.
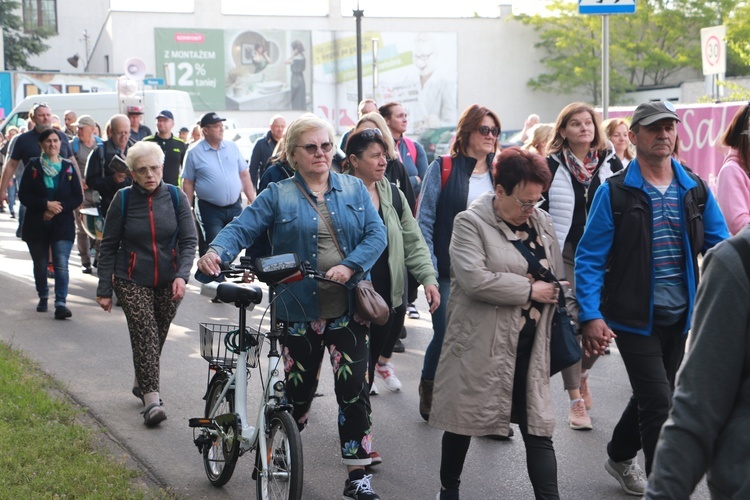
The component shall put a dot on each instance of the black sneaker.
(399, 346)
(359, 489)
(62, 312)
(87, 270)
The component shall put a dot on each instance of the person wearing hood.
(580, 159)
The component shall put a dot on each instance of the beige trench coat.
(474, 380)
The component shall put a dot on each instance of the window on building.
(40, 15)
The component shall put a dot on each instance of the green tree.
(19, 45)
(646, 48)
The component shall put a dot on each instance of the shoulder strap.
(539, 269)
(322, 217)
(701, 192)
(411, 148)
(445, 169)
(76, 141)
(124, 200)
(617, 197)
(397, 204)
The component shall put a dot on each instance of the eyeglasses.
(528, 207)
(154, 169)
(312, 149)
(484, 131)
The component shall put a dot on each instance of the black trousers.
(541, 463)
(651, 362)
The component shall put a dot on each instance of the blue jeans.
(432, 354)
(12, 195)
(40, 256)
(214, 218)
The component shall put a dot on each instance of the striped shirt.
(668, 255)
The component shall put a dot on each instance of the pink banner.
(700, 131)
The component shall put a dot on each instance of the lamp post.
(358, 13)
(375, 44)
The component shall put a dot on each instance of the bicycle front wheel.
(283, 479)
(220, 458)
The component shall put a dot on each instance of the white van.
(102, 105)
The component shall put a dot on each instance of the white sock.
(572, 402)
(150, 398)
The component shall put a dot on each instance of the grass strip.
(47, 453)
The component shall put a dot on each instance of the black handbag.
(564, 348)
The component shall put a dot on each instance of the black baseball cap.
(165, 114)
(184, 129)
(651, 112)
(210, 118)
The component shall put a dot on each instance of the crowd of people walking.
(602, 214)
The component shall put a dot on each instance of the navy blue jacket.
(34, 195)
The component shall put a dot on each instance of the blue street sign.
(604, 7)
(153, 81)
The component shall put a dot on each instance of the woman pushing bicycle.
(297, 213)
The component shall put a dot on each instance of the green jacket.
(406, 245)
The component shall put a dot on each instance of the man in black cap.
(215, 172)
(636, 274)
(184, 134)
(174, 149)
(138, 131)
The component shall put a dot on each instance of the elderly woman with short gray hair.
(148, 248)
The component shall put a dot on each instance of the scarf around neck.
(51, 170)
(583, 171)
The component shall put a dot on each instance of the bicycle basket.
(214, 348)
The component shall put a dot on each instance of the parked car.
(429, 139)
(444, 142)
(510, 138)
(245, 139)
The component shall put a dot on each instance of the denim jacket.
(292, 224)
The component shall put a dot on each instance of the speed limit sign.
(714, 50)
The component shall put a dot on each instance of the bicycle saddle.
(233, 292)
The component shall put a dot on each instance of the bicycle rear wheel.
(220, 458)
(283, 480)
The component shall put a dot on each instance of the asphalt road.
(90, 354)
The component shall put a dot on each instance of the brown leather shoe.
(425, 397)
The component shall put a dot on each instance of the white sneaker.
(387, 373)
(374, 390)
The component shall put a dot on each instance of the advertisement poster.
(268, 70)
(245, 70)
(6, 95)
(193, 61)
(417, 69)
(27, 84)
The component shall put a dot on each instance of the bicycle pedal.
(200, 422)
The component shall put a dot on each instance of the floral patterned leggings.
(348, 344)
(149, 312)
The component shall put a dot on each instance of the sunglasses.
(484, 131)
(370, 133)
(311, 149)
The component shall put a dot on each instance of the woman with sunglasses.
(580, 159)
(446, 192)
(313, 214)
